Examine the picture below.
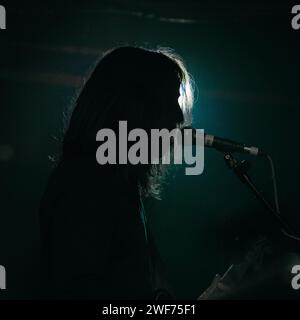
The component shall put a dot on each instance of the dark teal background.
(244, 58)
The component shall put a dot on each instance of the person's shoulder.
(80, 183)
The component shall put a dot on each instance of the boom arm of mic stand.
(240, 170)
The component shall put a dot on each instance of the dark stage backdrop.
(244, 58)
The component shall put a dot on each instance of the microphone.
(226, 145)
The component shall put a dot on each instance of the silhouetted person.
(95, 240)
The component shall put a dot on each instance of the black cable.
(276, 199)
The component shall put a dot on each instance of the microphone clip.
(240, 168)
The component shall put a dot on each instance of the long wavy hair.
(147, 88)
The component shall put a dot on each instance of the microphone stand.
(240, 169)
(260, 265)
